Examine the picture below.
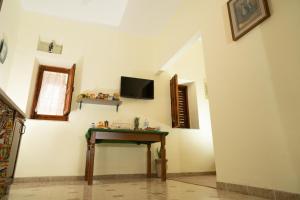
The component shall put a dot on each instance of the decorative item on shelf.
(3, 50)
(146, 124)
(101, 125)
(92, 96)
(81, 96)
(136, 123)
(93, 125)
(100, 96)
(116, 97)
(106, 124)
(245, 15)
(50, 47)
(110, 98)
(105, 96)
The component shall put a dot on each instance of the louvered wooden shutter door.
(69, 92)
(38, 85)
(183, 110)
(174, 101)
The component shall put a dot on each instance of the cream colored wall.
(282, 46)
(253, 92)
(193, 105)
(102, 55)
(9, 23)
(190, 66)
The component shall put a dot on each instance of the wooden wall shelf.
(99, 102)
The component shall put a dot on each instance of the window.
(179, 104)
(53, 93)
(183, 107)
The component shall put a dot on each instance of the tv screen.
(137, 88)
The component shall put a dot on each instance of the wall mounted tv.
(137, 88)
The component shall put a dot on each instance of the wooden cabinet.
(11, 129)
(17, 133)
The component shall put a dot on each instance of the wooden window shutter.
(37, 92)
(183, 108)
(174, 101)
(69, 92)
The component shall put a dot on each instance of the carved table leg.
(87, 161)
(163, 159)
(91, 158)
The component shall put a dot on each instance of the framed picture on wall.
(3, 51)
(1, 4)
(245, 15)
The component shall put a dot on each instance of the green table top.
(89, 133)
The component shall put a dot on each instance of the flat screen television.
(137, 88)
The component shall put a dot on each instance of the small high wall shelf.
(99, 102)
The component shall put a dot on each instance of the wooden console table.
(95, 136)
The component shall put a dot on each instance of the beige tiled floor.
(137, 189)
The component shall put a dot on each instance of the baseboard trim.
(175, 175)
(75, 178)
(47, 179)
(101, 177)
(258, 192)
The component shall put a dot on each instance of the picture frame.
(1, 1)
(245, 15)
(3, 51)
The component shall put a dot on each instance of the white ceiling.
(108, 12)
(146, 17)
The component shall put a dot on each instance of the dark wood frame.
(3, 50)
(187, 114)
(18, 119)
(138, 137)
(1, 1)
(174, 101)
(266, 9)
(38, 86)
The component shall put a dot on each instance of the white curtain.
(52, 95)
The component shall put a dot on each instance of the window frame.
(174, 101)
(38, 85)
